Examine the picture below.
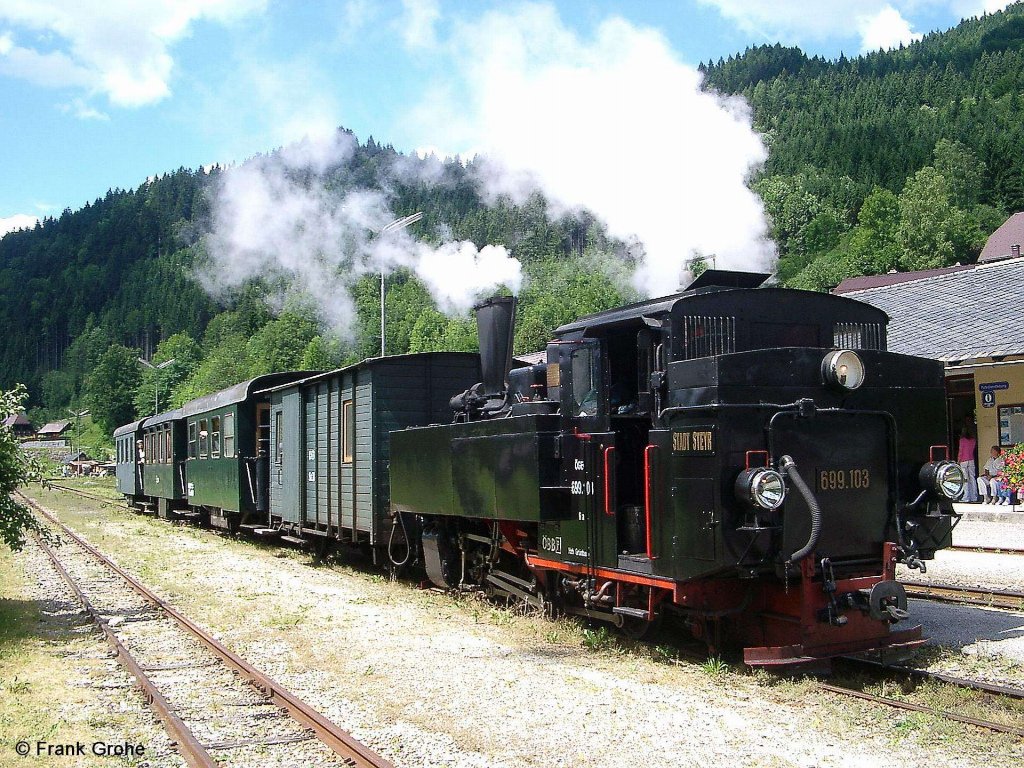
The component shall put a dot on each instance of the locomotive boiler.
(749, 458)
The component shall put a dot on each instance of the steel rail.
(906, 705)
(188, 746)
(986, 549)
(942, 677)
(952, 593)
(339, 740)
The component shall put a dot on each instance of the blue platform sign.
(994, 386)
(988, 399)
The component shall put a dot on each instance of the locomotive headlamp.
(761, 487)
(946, 478)
(843, 368)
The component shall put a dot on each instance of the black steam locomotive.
(749, 458)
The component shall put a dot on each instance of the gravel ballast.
(429, 680)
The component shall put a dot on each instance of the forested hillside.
(898, 160)
(904, 159)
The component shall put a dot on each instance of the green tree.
(933, 231)
(186, 354)
(16, 470)
(280, 344)
(110, 387)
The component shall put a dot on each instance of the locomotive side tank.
(751, 458)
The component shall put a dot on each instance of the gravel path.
(430, 680)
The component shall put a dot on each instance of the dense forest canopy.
(903, 159)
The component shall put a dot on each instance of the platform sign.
(988, 399)
(994, 386)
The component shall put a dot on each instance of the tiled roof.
(963, 315)
(54, 428)
(17, 419)
(1001, 242)
(864, 282)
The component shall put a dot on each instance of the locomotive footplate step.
(635, 613)
(296, 540)
(636, 563)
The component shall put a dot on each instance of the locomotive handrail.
(647, 498)
(608, 509)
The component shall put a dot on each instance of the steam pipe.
(787, 465)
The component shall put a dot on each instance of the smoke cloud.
(279, 217)
(616, 124)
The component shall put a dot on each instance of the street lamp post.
(156, 388)
(78, 428)
(394, 226)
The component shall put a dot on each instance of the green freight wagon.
(225, 435)
(163, 473)
(331, 440)
(128, 443)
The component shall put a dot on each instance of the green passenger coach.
(329, 467)
(163, 472)
(127, 441)
(225, 434)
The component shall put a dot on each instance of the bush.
(16, 469)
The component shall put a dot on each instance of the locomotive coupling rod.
(787, 465)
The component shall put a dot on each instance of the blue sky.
(96, 94)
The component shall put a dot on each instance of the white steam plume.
(276, 216)
(615, 124)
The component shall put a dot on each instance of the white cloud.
(418, 22)
(797, 21)
(615, 124)
(17, 221)
(117, 48)
(83, 111)
(887, 29)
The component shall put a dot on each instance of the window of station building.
(204, 439)
(215, 437)
(228, 428)
(348, 432)
(192, 440)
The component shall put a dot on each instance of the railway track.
(950, 593)
(209, 699)
(986, 550)
(915, 589)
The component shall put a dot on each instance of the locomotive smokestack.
(495, 325)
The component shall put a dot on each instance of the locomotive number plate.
(843, 479)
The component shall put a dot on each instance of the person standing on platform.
(965, 456)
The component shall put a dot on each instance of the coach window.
(204, 439)
(192, 431)
(168, 453)
(279, 437)
(228, 428)
(348, 432)
(215, 437)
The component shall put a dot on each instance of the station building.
(971, 317)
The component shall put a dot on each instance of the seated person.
(990, 487)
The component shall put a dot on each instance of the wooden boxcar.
(330, 433)
(225, 433)
(163, 474)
